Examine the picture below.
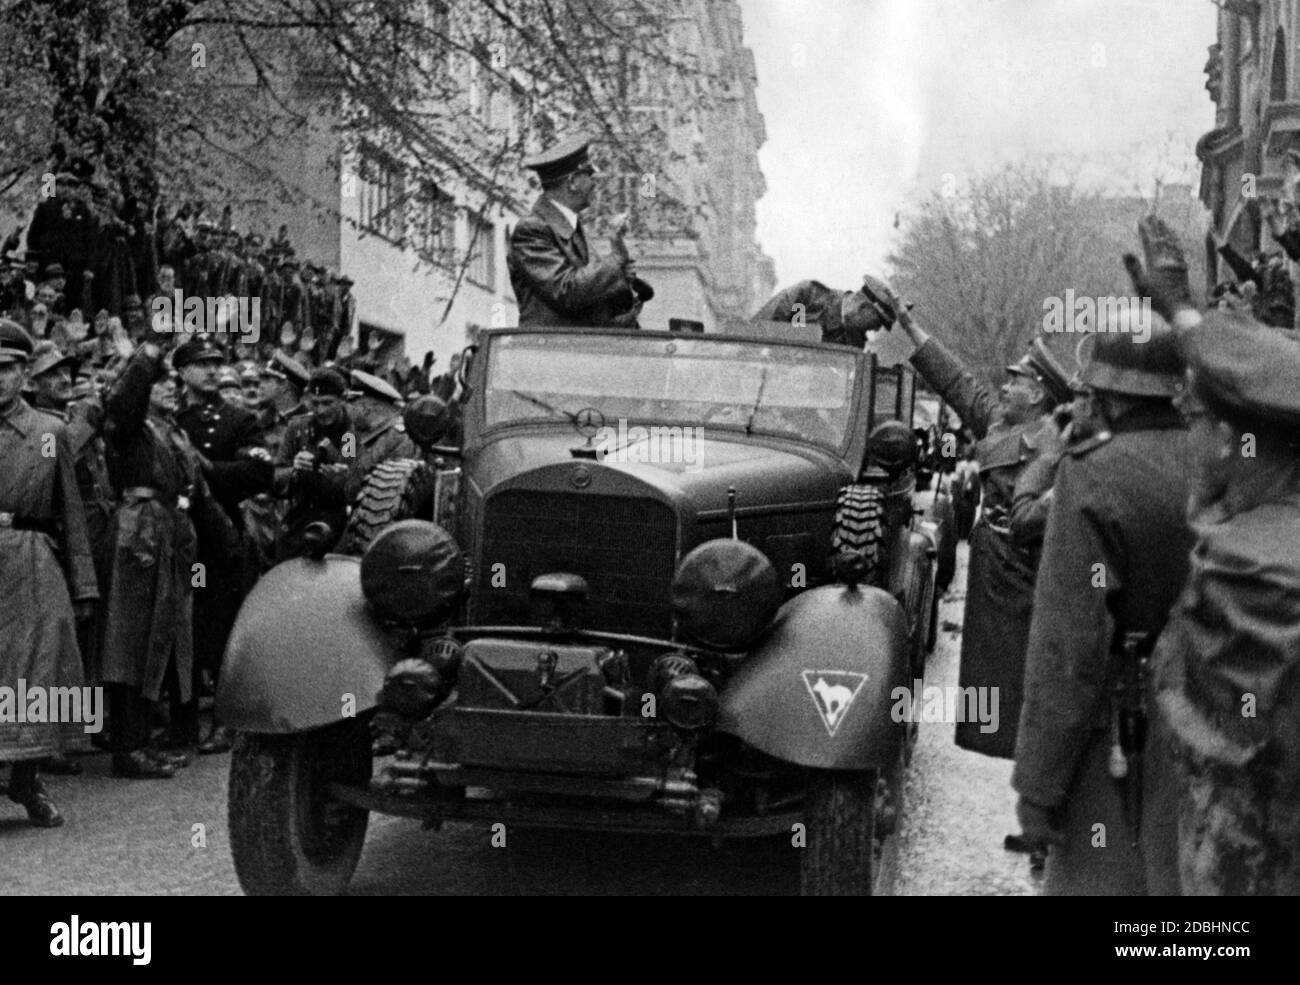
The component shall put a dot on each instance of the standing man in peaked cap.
(236, 467)
(555, 279)
(1000, 575)
(40, 519)
(376, 413)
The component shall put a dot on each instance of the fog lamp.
(412, 688)
(685, 698)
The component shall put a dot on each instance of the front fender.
(818, 689)
(303, 643)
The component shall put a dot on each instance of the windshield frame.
(736, 431)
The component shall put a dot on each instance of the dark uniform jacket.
(1227, 683)
(315, 495)
(264, 513)
(812, 303)
(1115, 556)
(1000, 576)
(45, 565)
(148, 610)
(224, 434)
(554, 280)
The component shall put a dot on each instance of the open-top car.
(678, 589)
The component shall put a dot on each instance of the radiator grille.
(625, 548)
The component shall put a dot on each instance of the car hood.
(701, 472)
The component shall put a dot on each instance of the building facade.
(373, 217)
(1251, 158)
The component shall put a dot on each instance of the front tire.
(841, 857)
(288, 835)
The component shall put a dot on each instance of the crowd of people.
(1133, 575)
(1132, 583)
(152, 474)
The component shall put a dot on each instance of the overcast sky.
(869, 104)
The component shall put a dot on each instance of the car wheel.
(851, 848)
(288, 835)
(398, 489)
(859, 525)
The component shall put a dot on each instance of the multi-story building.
(428, 256)
(1251, 158)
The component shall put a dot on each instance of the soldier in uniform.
(376, 412)
(282, 381)
(1114, 557)
(1227, 667)
(148, 629)
(844, 317)
(555, 279)
(1000, 576)
(236, 467)
(51, 375)
(43, 594)
(311, 468)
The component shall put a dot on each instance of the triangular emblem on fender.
(832, 692)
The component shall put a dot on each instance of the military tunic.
(223, 435)
(1115, 556)
(551, 272)
(1227, 681)
(149, 597)
(1000, 576)
(315, 495)
(42, 515)
(812, 303)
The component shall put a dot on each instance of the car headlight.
(683, 695)
(413, 572)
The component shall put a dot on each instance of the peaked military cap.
(1245, 367)
(563, 158)
(1039, 364)
(228, 378)
(286, 367)
(47, 356)
(369, 385)
(197, 349)
(15, 344)
(327, 382)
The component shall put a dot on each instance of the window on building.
(383, 196)
(436, 235)
(482, 269)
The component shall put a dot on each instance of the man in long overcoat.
(1114, 557)
(149, 631)
(1000, 576)
(40, 518)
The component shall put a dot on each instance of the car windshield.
(798, 391)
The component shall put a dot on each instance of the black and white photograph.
(651, 448)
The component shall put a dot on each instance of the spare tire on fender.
(725, 593)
